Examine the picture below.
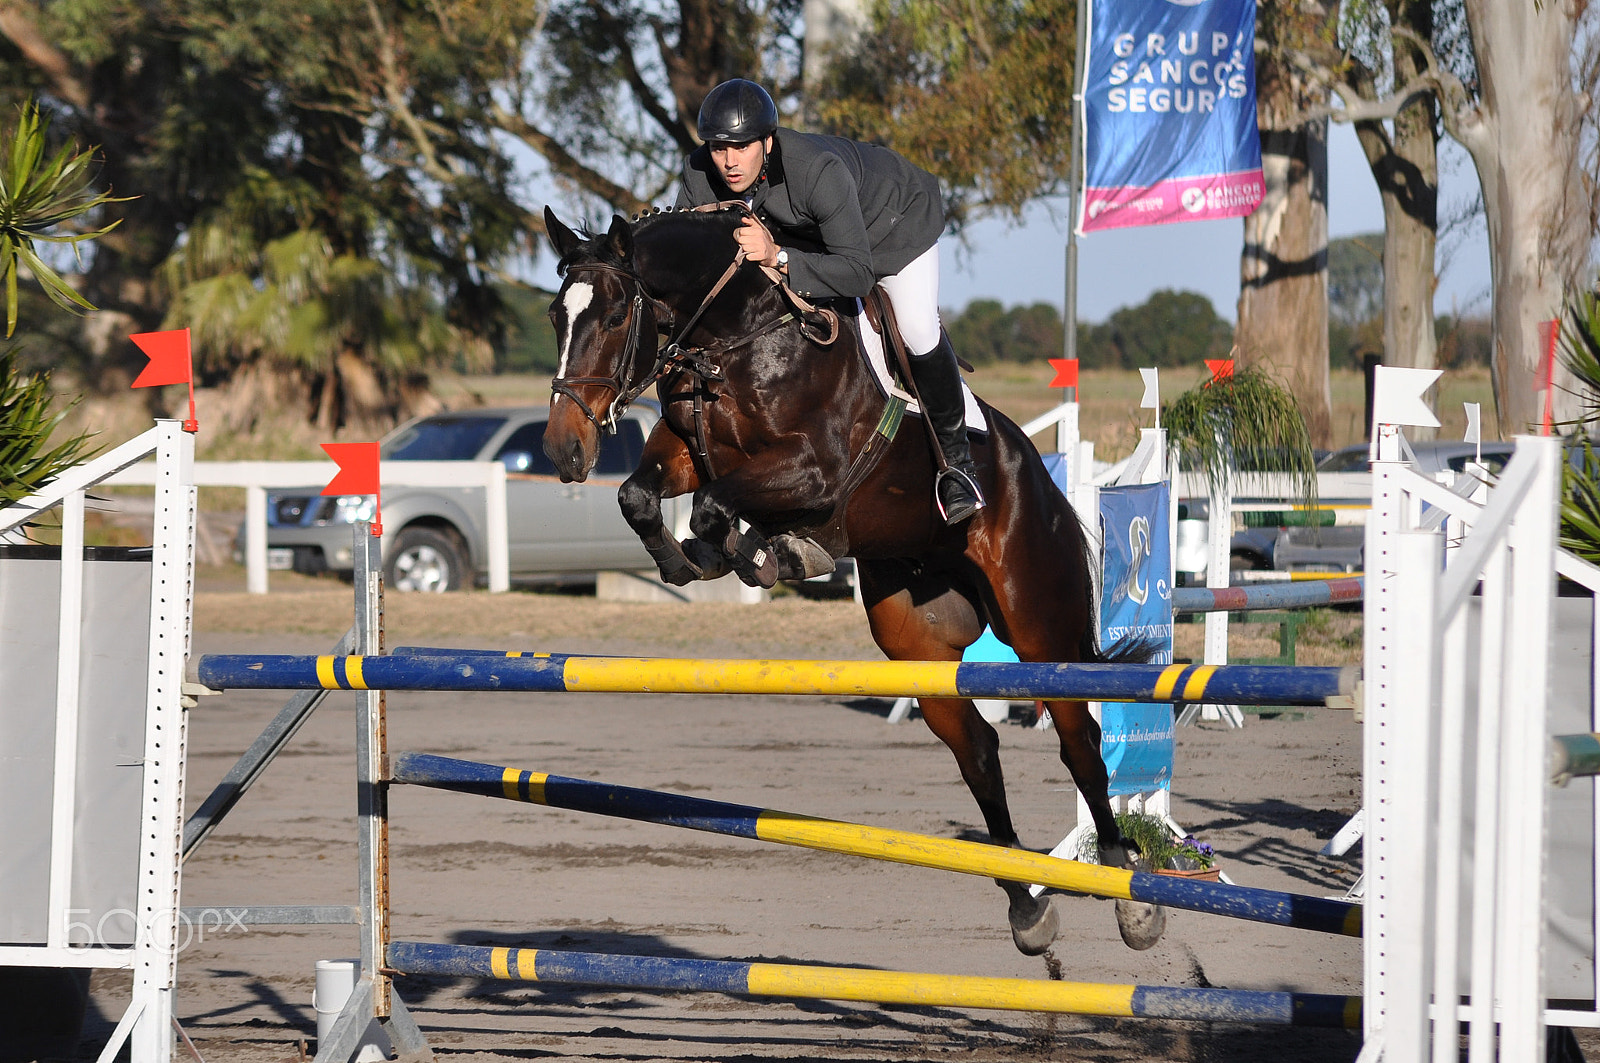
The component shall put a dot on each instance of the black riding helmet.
(737, 112)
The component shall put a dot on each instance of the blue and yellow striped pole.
(557, 673)
(876, 843)
(882, 987)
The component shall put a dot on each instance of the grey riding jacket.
(855, 213)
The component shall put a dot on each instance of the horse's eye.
(616, 321)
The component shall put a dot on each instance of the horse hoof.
(679, 575)
(1140, 924)
(707, 559)
(1040, 932)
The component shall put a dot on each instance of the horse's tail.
(1130, 649)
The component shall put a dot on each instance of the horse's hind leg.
(915, 617)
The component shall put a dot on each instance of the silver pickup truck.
(434, 538)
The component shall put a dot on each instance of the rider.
(851, 214)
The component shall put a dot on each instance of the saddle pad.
(872, 350)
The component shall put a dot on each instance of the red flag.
(1066, 372)
(1549, 332)
(1221, 368)
(358, 469)
(357, 475)
(169, 358)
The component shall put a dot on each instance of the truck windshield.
(442, 439)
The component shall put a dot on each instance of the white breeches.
(914, 294)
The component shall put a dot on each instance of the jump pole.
(876, 843)
(804, 981)
(566, 673)
(1307, 595)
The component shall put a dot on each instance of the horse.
(770, 420)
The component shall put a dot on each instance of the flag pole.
(1074, 195)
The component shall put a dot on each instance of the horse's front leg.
(1140, 924)
(665, 471)
(766, 485)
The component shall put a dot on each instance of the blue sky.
(1027, 263)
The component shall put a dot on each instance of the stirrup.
(962, 508)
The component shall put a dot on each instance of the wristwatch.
(783, 258)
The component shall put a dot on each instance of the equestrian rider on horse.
(851, 215)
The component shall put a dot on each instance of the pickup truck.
(434, 538)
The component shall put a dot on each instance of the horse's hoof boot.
(1140, 924)
(1033, 940)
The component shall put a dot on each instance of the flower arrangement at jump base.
(1163, 851)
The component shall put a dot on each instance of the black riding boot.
(938, 380)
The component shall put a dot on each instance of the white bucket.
(336, 980)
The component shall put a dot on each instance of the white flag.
(1397, 397)
(1474, 425)
(1152, 390)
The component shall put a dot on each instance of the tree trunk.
(1283, 282)
(1524, 138)
(1406, 168)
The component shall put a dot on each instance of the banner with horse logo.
(1136, 741)
(1170, 113)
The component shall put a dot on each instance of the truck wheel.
(426, 559)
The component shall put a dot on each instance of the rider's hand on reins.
(756, 243)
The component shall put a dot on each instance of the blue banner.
(1136, 741)
(1170, 113)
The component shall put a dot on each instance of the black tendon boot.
(938, 380)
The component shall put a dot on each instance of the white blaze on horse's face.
(579, 295)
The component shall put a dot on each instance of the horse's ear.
(620, 238)
(563, 239)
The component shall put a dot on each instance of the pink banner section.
(1228, 195)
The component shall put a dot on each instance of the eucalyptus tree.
(1283, 274)
(608, 92)
(1515, 85)
(368, 125)
(980, 95)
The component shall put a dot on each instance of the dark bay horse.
(765, 422)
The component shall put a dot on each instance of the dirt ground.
(469, 870)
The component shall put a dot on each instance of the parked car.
(435, 539)
(1346, 475)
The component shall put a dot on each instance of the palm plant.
(1580, 487)
(37, 198)
(340, 321)
(28, 461)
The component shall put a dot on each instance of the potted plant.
(1163, 851)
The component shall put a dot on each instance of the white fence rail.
(1457, 732)
(257, 476)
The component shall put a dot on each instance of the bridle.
(622, 395)
(670, 358)
(674, 357)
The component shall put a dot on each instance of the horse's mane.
(682, 227)
(723, 216)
